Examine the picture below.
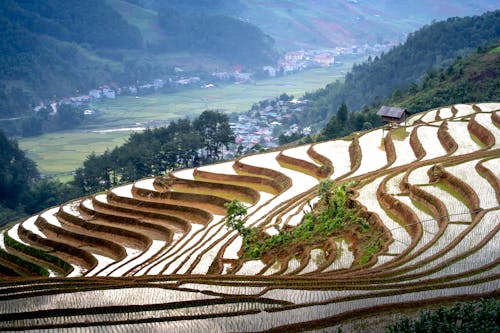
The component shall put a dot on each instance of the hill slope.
(468, 79)
(422, 203)
(325, 24)
(57, 48)
(434, 46)
(48, 48)
(476, 77)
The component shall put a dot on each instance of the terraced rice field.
(156, 256)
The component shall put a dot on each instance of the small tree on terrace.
(235, 213)
(324, 190)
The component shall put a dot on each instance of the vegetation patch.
(399, 134)
(28, 265)
(335, 215)
(482, 316)
(37, 253)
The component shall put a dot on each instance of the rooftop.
(391, 111)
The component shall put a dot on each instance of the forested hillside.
(222, 36)
(56, 48)
(475, 77)
(434, 46)
(467, 79)
(22, 191)
(46, 49)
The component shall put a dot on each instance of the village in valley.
(257, 128)
(265, 121)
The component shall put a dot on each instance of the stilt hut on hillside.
(393, 115)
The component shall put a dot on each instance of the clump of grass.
(399, 134)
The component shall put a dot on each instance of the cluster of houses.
(112, 91)
(104, 91)
(300, 60)
(265, 121)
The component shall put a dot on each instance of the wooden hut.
(392, 114)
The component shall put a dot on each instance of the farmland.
(157, 255)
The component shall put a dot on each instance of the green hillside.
(44, 54)
(468, 79)
(434, 46)
(324, 24)
(54, 48)
(476, 77)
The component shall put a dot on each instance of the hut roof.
(391, 111)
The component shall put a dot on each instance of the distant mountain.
(326, 23)
(298, 24)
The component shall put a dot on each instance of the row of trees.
(182, 144)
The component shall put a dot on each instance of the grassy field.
(61, 153)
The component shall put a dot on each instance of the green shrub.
(481, 316)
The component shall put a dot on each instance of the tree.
(215, 133)
(21, 189)
(324, 190)
(235, 213)
(94, 175)
(17, 173)
(342, 113)
(284, 97)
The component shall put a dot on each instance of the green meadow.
(60, 153)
